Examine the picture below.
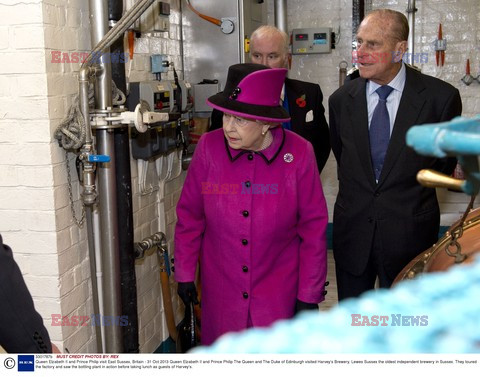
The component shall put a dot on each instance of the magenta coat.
(257, 221)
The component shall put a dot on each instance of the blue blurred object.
(459, 137)
(447, 304)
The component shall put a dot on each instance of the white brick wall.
(27, 207)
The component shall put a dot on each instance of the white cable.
(169, 166)
(142, 167)
(161, 180)
(179, 166)
(161, 193)
(128, 75)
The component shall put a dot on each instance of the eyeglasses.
(241, 122)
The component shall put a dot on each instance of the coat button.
(245, 213)
(370, 220)
(247, 184)
(245, 295)
(377, 194)
(250, 156)
(244, 242)
(245, 269)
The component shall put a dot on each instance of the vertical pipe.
(99, 272)
(281, 15)
(93, 273)
(128, 281)
(411, 35)
(358, 13)
(241, 31)
(99, 27)
(109, 241)
(107, 185)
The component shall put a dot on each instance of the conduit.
(128, 281)
(281, 15)
(213, 20)
(411, 35)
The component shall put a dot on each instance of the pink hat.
(252, 91)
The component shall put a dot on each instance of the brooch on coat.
(288, 157)
(300, 101)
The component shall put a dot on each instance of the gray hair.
(400, 28)
(266, 31)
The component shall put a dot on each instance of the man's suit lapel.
(292, 95)
(358, 113)
(409, 109)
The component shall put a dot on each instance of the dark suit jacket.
(404, 213)
(21, 327)
(315, 131)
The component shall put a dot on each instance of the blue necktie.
(380, 130)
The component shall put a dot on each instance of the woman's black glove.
(301, 306)
(188, 293)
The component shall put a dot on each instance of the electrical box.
(155, 18)
(312, 41)
(158, 94)
(159, 63)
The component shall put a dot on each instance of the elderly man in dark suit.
(303, 100)
(383, 217)
(21, 327)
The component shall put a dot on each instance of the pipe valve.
(158, 240)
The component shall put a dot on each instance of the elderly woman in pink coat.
(252, 212)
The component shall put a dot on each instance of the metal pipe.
(110, 243)
(107, 183)
(93, 273)
(358, 13)
(125, 235)
(126, 21)
(83, 81)
(128, 281)
(98, 261)
(281, 15)
(411, 35)
(99, 27)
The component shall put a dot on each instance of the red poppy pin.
(300, 101)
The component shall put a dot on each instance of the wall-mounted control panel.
(312, 41)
